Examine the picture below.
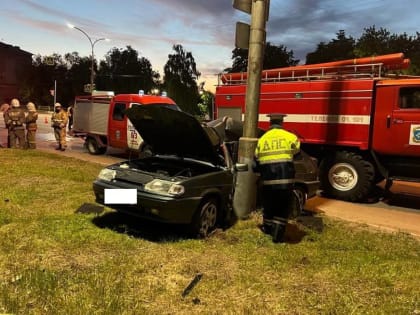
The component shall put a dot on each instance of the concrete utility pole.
(244, 200)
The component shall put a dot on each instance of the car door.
(397, 121)
(405, 122)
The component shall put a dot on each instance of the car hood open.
(171, 132)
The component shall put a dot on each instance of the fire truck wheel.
(93, 146)
(346, 176)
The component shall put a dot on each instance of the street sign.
(242, 35)
(243, 5)
(87, 88)
(48, 60)
(246, 6)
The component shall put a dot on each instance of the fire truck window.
(410, 97)
(118, 112)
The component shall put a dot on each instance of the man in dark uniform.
(274, 159)
(15, 119)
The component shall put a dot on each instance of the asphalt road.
(399, 212)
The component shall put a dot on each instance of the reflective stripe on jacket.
(278, 174)
(277, 145)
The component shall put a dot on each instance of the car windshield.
(166, 105)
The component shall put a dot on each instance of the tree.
(373, 42)
(205, 104)
(180, 79)
(240, 60)
(124, 72)
(274, 57)
(78, 73)
(40, 80)
(340, 48)
(278, 57)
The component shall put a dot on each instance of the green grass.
(55, 261)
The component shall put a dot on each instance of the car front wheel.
(205, 218)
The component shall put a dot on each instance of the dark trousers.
(277, 202)
(17, 138)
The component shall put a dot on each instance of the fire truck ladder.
(373, 67)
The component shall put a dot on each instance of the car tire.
(145, 151)
(346, 176)
(93, 147)
(205, 218)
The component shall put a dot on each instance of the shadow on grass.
(134, 226)
(162, 232)
(141, 228)
(306, 223)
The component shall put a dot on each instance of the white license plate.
(120, 196)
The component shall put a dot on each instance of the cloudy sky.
(204, 27)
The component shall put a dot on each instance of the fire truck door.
(402, 136)
(406, 121)
(117, 126)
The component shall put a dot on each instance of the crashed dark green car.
(189, 178)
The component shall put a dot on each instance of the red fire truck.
(360, 121)
(101, 120)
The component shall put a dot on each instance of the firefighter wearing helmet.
(58, 123)
(31, 125)
(15, 119)
(274, 161)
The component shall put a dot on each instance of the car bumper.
(150, 206)
(312, 188)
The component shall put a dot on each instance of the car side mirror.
(241, 167)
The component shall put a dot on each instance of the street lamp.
(92, 44)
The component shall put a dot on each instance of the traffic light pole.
(244, 200)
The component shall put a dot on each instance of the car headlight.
(107, 174)
(164, 187)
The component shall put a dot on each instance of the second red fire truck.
(101, 119)
(361, 122)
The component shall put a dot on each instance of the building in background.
(13, 63)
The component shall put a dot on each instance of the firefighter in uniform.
(15, 119)
(274, 161)
(59, 123)
(31, 125)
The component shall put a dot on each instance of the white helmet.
(15, 102)
(31, 107)
(57, 105)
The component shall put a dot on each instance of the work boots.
(266, 226)
(278, 229)
(61, 148)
